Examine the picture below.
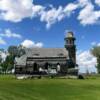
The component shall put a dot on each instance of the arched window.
(35, 67)
(58, 67)
(70, 41)
(20, 68)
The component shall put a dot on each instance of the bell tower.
(70, 46)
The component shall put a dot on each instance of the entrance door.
(35, 67)
(46, 66)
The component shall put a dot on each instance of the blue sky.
(45, 22)
(35, 30)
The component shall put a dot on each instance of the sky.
(44, 23)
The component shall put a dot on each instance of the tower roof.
(70, 34)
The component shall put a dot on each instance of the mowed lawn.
(49, 89)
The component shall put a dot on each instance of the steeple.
(70, 46)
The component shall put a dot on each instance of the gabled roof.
(47, 52)
(42, 53)
(21, 60)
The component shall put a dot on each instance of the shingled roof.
(47, 52)
(42, 53)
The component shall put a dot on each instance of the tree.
(8, 63)
(4, 66)
(96, 52)
(14, 51)
(0, 59)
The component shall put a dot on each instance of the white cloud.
(39, 44)
(70, 7)
(17, 10)
(98, 44)
(9, 34)
(30, 44)
(83, 3)
(87, 61)
(52, 16)
(95, 44)
(37, 10)
(97, 2)
(88, 15)
(3, 55)
(3, 42)
(55, 15)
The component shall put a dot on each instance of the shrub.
(80, 77)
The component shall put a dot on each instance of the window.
(46, 65)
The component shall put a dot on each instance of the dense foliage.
(96, 52)
(13, 51)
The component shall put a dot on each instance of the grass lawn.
(49, 89)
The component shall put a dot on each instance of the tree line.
(96, 52)
(8, 64)
(17, 51)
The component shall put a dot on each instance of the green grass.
(49, 89)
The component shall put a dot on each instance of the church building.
(49, 61)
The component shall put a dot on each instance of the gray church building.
(48, 61)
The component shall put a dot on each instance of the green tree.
(96, 52)
(8, 63)
(14, 51)
(4, 66)
(0, 59)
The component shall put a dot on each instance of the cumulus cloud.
(88, 15)
(30, 44)
(95, 44)
(87, 61)
(3, 55)
(52, 16)
(97, 2)
(2, 42)
(8, 33)
(70, 7)
(57, 14)
(17, 10)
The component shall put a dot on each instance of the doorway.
(35, 67)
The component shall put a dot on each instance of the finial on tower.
(70, 34)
